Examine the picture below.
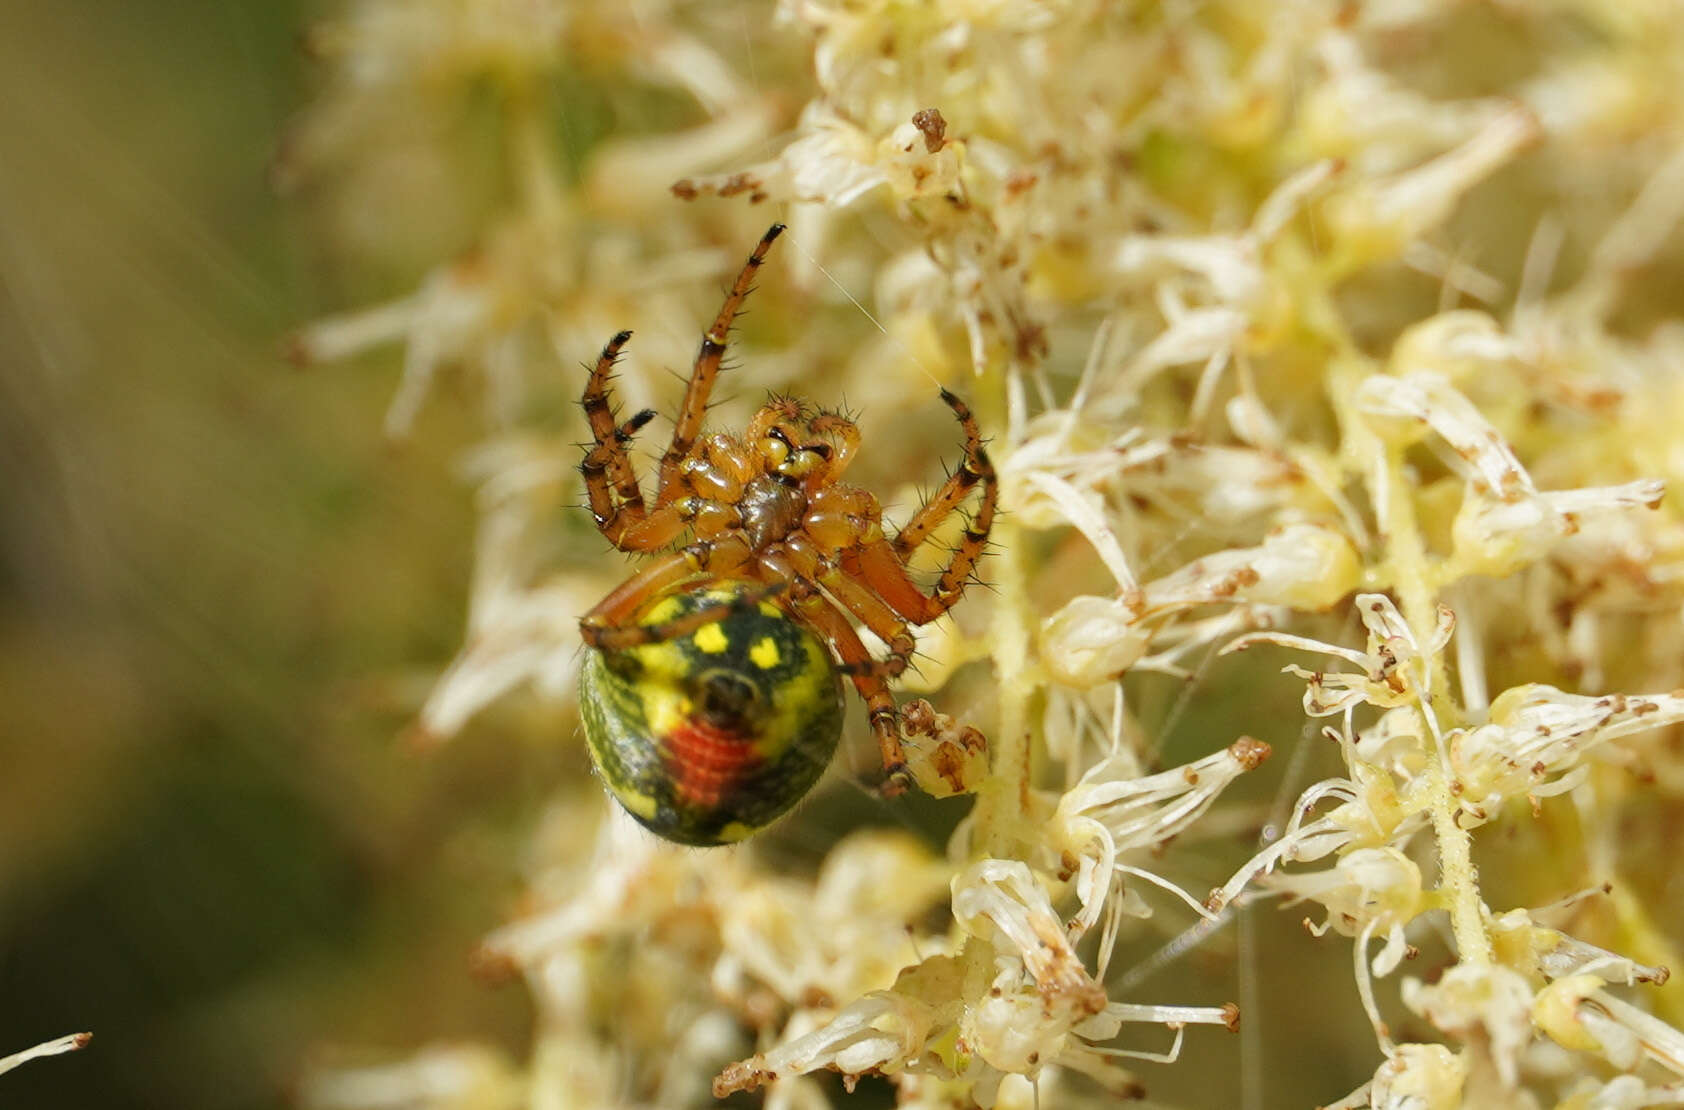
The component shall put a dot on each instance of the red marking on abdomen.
(707, 763)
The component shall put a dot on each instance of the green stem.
(1002, 802)
(1407, 560)
(1001, 807)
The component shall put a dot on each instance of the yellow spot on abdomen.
(711, 638)
(764, 653)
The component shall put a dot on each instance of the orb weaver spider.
(711, 693)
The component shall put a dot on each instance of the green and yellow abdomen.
(711, 736)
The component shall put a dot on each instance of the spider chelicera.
(711, 696)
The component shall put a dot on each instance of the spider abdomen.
(708, 737)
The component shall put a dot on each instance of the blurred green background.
(220, 594)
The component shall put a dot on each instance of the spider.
(711, 694)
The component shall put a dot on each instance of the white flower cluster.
(1041, 1008)
(1208, 275)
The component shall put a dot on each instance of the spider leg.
(610, 439)
(829, 622)
(812, 608)
(706, 369)
(611, 484)
(645, 533)
(609, 627)
(626, 523)
(636, 635)
(865, 605)
(880, 565)
(976, 468)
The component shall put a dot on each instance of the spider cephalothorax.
(710, 697)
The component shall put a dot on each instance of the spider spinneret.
(711, 696)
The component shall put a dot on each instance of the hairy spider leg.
(609, 456)
(834, 627)
(611, 484)
(807, 605)
(976, 468)
(869, 609)
(881, 565)
(706, 369)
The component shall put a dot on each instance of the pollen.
(711, 638)
(764, 654)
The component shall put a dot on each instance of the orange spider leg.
(607, 626)
(610, 481)
(829, 622)
(976, 468)
(876, 567)
(654, 531)
(883, 621)
(597, 469)
(608, 458)
(706, 369)
(620, 639)
(880, 565)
